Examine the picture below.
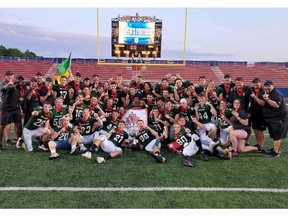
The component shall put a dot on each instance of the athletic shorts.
(9, 117)
(63, 144)
(258, 121)
(278, 129)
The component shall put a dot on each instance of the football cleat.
(54, 156)
(19, 143)
(158, 158)
(203, 156)
(87, 155)
(187, 162)
(43, 148)
(100, 160)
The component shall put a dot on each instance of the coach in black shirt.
(10, 105)
(276, 116)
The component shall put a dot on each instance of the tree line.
(14, 52)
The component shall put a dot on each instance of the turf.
(249, 170)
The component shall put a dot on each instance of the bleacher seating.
(191, 71)
(276, 73)
(25, 68)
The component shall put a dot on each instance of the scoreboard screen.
(136, 39)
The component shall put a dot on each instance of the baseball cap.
(33, 80)
(38, 74)
(268, 82)
(20, 77)
(227, 76)
(256, 80)
(48, 79)
(78, 74)
(8, 73)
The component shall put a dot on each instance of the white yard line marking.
(75, 189)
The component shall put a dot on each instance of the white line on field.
(75, 189)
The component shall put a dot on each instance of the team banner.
(131, 117)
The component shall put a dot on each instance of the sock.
(73, 147)
(93, 147)
(53, 151)
(157, 153)
(199, 145)
(82, 147)
(107, 157)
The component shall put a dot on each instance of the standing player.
(148, 137)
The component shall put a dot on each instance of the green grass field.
(248, 170)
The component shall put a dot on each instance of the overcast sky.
(233, 34)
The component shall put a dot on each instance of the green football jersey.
(117, 138)
(64, 135)
(222, 123)
(85, 126)
(109, 124)
(77, 113)
(57, 116)
(145, 137)
(62, 92)
(204, 114)
(39, 120)
(181, 138)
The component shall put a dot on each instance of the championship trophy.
(133, 142)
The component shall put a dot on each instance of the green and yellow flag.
(63, 68)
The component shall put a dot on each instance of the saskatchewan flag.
(63, 68)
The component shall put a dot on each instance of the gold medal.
(227, 96)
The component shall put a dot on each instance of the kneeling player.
(110, 143)
(147, 137)
(37, 126)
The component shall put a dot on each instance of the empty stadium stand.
(191, 71)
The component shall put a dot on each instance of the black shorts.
(278, 129)
(258, 122)
(9, 117)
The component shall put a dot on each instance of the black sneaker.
(187, 161)
(8, 142)
(272, 149)
(272, 154)
(261, 149)
(203, 156)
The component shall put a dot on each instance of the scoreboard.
(136, 37)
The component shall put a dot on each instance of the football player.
(111, 142)
(148, 137)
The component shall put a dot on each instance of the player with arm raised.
(111, 142)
